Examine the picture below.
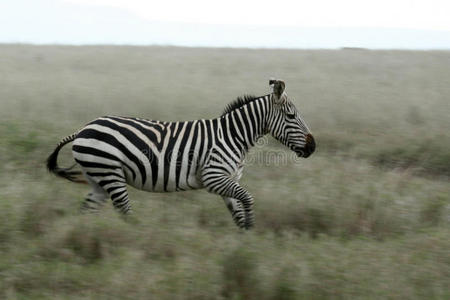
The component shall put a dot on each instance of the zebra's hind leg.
(94, 199)
(119, 195)
(114, 186)
(236, 210)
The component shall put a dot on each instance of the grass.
(367, 216)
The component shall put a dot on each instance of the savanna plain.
(365, 217)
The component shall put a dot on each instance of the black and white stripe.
(156, 156)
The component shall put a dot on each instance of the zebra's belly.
(169, 184)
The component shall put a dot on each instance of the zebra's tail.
(67, 173)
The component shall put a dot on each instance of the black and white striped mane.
(239, 102)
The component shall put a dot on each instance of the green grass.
(367, 216)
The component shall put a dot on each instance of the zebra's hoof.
(131, 219)
(249, 220)
(249, 225)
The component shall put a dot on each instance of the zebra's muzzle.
(308, 149)
(310, 146)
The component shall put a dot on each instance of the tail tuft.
(52, 161)
(67, 173)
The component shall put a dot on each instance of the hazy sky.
(418, 24)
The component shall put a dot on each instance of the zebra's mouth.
(300, 152)
(308, 149)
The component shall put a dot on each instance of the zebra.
(158, 156)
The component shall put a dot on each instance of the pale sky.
(415, 24)
(412, 14)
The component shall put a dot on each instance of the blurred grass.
(367, 216)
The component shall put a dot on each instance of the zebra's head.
(285, 123)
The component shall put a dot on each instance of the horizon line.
(346, 48)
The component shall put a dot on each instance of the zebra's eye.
(290, 115)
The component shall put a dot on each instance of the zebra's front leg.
(236, 210)
(231, 191)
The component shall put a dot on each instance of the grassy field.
(366, 217)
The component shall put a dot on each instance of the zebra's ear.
(277, 87)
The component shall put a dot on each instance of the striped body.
(166, 156)
(156, 156)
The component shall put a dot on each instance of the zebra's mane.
(239, 102)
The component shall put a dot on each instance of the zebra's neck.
(243, 126)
